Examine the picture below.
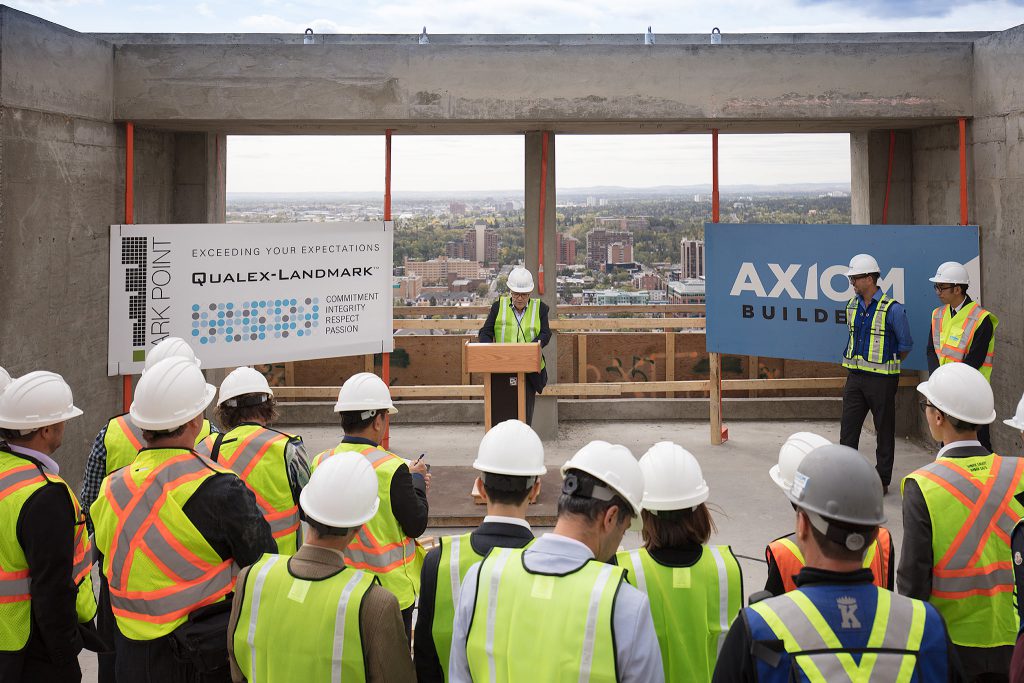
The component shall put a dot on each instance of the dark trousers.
(531, 399)
(106, 626)
(153, 661)
(19, 667)
(407, 620)
(868, 392)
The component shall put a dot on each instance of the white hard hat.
(862, 264)
(342, 492)
(951, 273)
(615, 466)
(511, 447)
(1017, 421)
(520, 280)
(38, 399)
(171, 347)
(672, 478)
(169, 394)
(364, 391)
(5, 379)
(792, 454)
(241, 381)
(962, 392)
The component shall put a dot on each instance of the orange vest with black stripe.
(973, 506)
(790, 560)
(258, 455)
(381, 545)
(159, 567)
(123, 441)
(20, 478)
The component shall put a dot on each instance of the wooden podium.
(500, 364)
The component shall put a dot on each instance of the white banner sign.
(246, 294)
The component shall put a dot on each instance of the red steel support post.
(129, 219)
(386, 357)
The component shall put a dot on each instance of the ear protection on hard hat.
(246, 401)
(573, 486)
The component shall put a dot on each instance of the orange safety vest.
(159, 567)
(790, 560)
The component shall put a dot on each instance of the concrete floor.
(748, 508)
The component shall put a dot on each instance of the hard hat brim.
(1012, 422)
(347, 523)
(509, 471)
(777, 478)
(156, 425)
(41, 422)
(520, 290)
(680, 503)
(925, 391)
(945, 281)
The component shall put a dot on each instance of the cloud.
(898, 8)
(272, 23)
(204, 10)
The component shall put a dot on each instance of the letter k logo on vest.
(848, 608)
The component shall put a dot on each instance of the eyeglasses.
(944, 288)
(854, 278)
(925, 405)
(520, 295)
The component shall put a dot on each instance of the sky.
(352, 164)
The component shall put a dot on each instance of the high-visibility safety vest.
(381, 546)
(952, 337)
(525, 623)
(973, 509)
(692, 607)
(509, 330)
(19, 480)
(158, 565)
(291, 629)
(123, 441)
(790, 560)
(819, 636)
(457, 556)
(257, 455)
(881, 359)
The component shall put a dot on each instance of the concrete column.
(545, 414)
(869, 161)
(200, 178)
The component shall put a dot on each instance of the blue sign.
(781, 290)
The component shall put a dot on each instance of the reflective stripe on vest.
(20, 479)
(123, 441)
(524, 623)
(159, 567)
(692, 607)
(257, 455)
(790, 560)
(508, 330)
(973, 509)
(875, 362)
(292, 629)
(380, 545)
(817, 652)
(457, 556)
(952, 337)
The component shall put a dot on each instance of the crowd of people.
(225, 553)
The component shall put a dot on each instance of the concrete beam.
(445, 88)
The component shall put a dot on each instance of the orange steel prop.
(386, 357)
(963, 171)
(129, 219)
(888, 177)
(543, 207)
(714, 219)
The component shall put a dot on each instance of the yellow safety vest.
(291, 629)
(818, 653)
(257, 455)
(952, 337)
(973, 509)
(877, 348)
(20, 478)
(457, 556)
(123, 441)
(528, 626)
(159, 567)
(508, 330)
(381, 546)
(692, 607)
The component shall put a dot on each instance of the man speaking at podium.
(518, 319)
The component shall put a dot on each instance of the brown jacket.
(385, 646)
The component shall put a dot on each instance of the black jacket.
(537, 380)
(488, 535)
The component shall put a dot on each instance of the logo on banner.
(134, 255)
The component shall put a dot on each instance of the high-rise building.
(565, 245)
(620, 252)
(598, 240)
(456, 249)
(692, 259)
(457, 209)
(437, 270)
(481, 244)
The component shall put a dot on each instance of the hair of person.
(352, 420)
(592, 508)
(507, 489)
(875, 277)
(834, 551)
(151, 435)
(264, 412)
(677, 528)
(17, 434)
(958, 425)
(324, 530)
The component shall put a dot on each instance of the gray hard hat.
(840, 492)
